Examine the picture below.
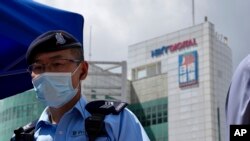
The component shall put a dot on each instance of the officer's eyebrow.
(50, 58)
(56, 57)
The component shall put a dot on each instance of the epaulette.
(105, 107)
(94, 124)
(25, 133)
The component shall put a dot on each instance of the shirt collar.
(44, 118)
(79, 106)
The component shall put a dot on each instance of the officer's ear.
(84, 72)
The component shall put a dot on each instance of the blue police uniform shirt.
(71, 127)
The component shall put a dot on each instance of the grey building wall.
(149, 88)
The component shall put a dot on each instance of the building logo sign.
(173, 48)
(188, 69)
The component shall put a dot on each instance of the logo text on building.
(172, 48)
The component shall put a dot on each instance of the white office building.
(191, 69)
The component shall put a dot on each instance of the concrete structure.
(187, 73)
(107, 80)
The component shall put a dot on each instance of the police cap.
(53, 40)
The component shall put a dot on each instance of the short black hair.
(78, 53)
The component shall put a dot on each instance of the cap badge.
(59, 38)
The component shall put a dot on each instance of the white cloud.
(119, 23)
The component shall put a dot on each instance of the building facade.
(107, 81)
(17, 111)
(185, 75)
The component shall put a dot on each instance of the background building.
(107, 80)
(179, 84)
(17, 111)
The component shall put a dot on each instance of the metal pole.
(124, 81)
(90, 41)
(193, 12)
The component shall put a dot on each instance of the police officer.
(57, 66)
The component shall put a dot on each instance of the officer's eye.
(58, 64)
(37, 68)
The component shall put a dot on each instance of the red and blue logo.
(188, 69)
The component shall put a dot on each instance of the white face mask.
(54, 89)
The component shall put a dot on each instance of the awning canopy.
(20, 22)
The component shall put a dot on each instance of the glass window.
(153, 115)
(18, 112)
(148, 122)
(165, 119)
(153, 121)
(159, 117)
(141, 73)
(14, 113)
(143, 120)
(154, 111)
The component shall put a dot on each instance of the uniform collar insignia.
(78, 133)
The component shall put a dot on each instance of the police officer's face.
(61, 61)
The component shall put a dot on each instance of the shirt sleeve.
(125, 126)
